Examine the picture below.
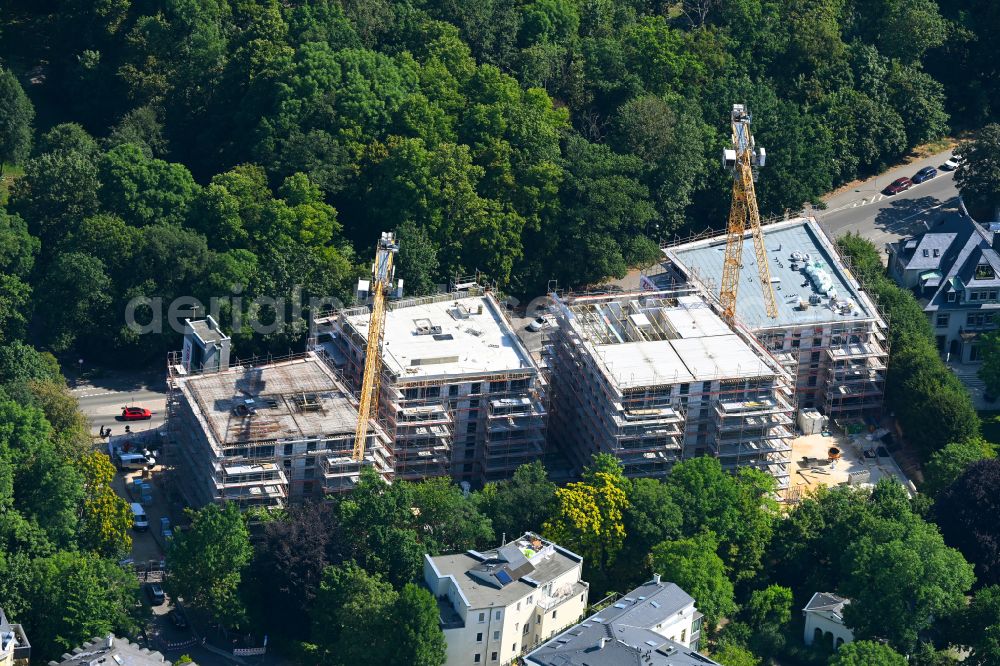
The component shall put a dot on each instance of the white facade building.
(824, 615)
(655, 624)
(495, 605)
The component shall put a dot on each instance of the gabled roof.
(972, 246)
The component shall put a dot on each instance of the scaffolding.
(265, 433)
(441, 415)
(654, 419)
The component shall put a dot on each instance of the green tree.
(351, 603)
(418, 262)
(448, 520)
(739, 509)
(978, 177)
(968, 512)
(15, 305)
(17, 247)
(651, 517)
(989, 371)
(142, 128)
(72, 598)
(946, 465)
(379, 518)
(694, 565)
(866, 653)
(734, 655)
(977, 627)
(56, 191)
(143, 190)
(207, 561)
(416, 620)
(16, 114)
(900, 580)
(72, 296)
(521, 504)
(400, 628)
(67, 138)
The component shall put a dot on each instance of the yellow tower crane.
(744, 158)
(382, 271)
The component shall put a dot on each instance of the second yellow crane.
(744, 158)
(382, 271)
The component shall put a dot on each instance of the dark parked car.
(898, 185)
(177, 619)
(155, 594)
(924, 174)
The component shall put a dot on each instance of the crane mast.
(744, 158)
(382, 271)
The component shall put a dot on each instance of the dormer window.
(984, 272)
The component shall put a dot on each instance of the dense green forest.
(246, 147)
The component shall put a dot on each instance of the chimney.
(604, 641)
(656, 579)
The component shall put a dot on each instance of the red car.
(898, 185)
(136, 413)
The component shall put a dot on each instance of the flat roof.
(656, 338)
(290, 400)
(555, 562)
(702, 260)
(446, 336)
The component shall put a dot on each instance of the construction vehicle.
(382, 272)
(744, 158)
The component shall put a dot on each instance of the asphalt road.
(101, 400)
(882, 219)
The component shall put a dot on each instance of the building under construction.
(265, 433)
(654, 377)
(828, 333)
(459, 394)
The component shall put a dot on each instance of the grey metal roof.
(972, 247)
(703, 260)
(621, 634)
(822, 601)
(113, 650)
(928, 243)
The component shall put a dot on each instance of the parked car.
(538, 323)
(177, 619)
(898, 185)
(155, 594)
(926, 173)
(136, 413)
(952, 163)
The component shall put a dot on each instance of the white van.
(139, 520)
(135, 461)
